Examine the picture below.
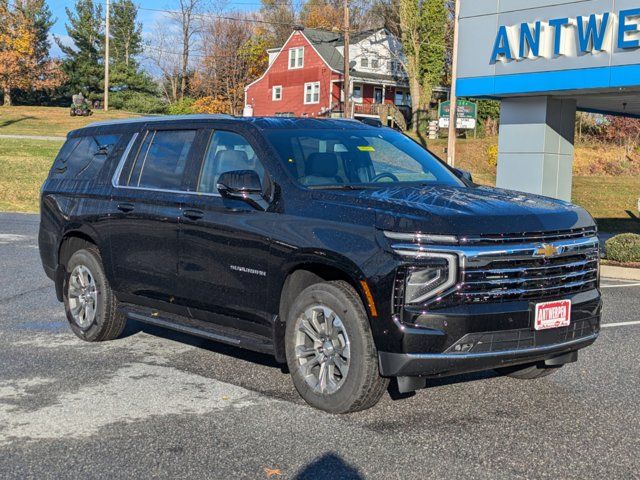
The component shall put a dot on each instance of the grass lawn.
(24, 165)
(613, 201)
(49, 121)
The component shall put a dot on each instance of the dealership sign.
(466, 115)
(567, 36)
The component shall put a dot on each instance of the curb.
(620, 273)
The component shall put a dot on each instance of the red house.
(305, 76)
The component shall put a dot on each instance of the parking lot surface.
(156, 404)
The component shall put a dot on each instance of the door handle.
(126, 207)
(193, 214)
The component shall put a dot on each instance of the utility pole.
(453, 99)
(346, 80)
(106, 61)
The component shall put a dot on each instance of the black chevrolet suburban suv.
(347, 251)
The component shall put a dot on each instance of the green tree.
(42, 20)
(84, 60)
(125, 47)
(422, 31)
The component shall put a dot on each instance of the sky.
(148, 18)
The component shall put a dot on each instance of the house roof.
(326, 44)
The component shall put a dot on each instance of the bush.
(137, 102)
(624, 248)
(211, 105)
(492, 155)
(181, 107)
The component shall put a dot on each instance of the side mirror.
(242, 185)
(464, 174)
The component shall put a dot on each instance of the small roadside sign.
(466, 115)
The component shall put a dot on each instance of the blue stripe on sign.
(539, 82)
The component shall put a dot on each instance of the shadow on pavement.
(329, 466)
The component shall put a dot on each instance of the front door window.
(377, 95)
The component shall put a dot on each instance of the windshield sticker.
(366, 148)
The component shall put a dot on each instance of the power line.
(222, 17)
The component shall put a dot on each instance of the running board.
(199, 328)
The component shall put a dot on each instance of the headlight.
(437, 275)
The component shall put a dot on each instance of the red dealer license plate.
(552, 314)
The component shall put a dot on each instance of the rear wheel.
(529, 371)
(330, 350)
(90, 305)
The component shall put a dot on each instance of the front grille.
(510, 267)
(508, 275)
(505, 340)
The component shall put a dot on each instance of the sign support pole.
(451, 148)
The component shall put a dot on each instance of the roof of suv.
(262, 123)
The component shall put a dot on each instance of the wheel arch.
(305, 272)
(71, 241)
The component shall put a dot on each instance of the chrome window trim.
(120, 167)
(123, 159)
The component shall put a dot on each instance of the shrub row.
(623, 248)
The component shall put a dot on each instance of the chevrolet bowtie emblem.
(546, 250)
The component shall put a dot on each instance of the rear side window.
(83, 157)
(162, 159)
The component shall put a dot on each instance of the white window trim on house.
(314, 90)
(276, 93)
(296, 58)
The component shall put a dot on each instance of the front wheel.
(330, 350)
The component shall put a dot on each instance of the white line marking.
(620, 286)
(619, 324)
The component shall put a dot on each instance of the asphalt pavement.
(155, 404)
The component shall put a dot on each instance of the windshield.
(357, 158)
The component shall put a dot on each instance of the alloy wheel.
(322, 349)
(83, 296)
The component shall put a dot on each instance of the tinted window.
(326, 157)
(83, 157)
(227, 152)
(162, 159)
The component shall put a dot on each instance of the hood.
(465, 210)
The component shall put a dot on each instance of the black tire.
(363, 386)
(528, 371)
(108, 324)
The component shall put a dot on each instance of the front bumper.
(441, 365)
(485, 336)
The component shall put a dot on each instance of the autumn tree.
(234, 54)
(280, 17)
(167, 60)
(321, 14)
(24, 61)
(188, 20)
